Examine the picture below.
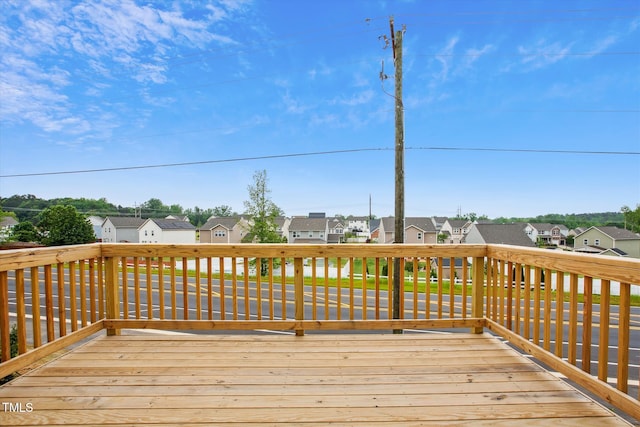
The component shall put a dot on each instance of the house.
(547, 234)
(438, 222)
(446, 267)
(506, 234)
(417, 230)
(336, 230)
(420, 230)
(308, 230)
(455, 229)
(608, 241)
(6, 226)
(386, 230)
(359, 226)
(155, 230)
(374, 229)
(224, 230)
(121, 229)
(282, 226)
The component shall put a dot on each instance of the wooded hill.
(28, 207)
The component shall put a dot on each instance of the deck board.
(315, 380)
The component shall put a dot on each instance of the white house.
(121, 229)
(549, 234)
(155, 230)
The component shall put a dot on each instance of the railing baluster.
(62, 318)
(314, 296)
(351, 289)
(136, 284)
(339, 288)
(573, 319)
(259, 287)
(509, 284)
(35, 306)
(271, 301)
(234, 287)
(72, 296)
(21, 312)
(587, 319)
(440, 286)
(247, 306)
(221, 282)
(326, 289)
(547, 310)
(209, 288)
(364, 288)
(198, 290)
(100, 284)
(452, 285)
(92, 289)
(48, 298)
(173, 285)
(185, 289)
(427, 289)
(527, 302)
(536, 304)
(149, 286)
(415, 287)
(465, 278)
(603, 340)
(559, 313)
(161, 288)
(283, 287)
(125, 288)
(624, 324)
(298, 286)
(5, 345)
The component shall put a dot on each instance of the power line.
(322, 153)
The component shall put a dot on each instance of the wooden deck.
(314, 380)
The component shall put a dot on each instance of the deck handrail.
(518, 293)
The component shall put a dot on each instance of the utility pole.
(398, 274)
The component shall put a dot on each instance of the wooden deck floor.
(315, 380)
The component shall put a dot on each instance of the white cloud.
(543, 54)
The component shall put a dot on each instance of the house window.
(219, 233)
(311, 234)
(296, 234)
(596, 242)
(456, 231)
(419, 236)
(322, 235)
(585, 242)
(153, 232)
(145, 233)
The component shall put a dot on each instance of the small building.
(504, 234)
(308, 230)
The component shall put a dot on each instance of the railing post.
(112, 294)
(298, 284)
(477, 292)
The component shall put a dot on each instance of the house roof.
(308, 224)
(172, 224)
(227, 222)
(546, 226)
(125, 221)
(422, 223)
(508, 234)
(8, 221)
(617, 233)
(457, 223)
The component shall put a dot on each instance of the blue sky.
(120, 84)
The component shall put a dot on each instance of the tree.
(223, 210)
(24, 232)
(263, 213)
(262, 210)
(64, 225)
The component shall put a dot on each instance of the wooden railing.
(542, 301)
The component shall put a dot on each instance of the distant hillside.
(573, 220)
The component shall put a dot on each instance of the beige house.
(455, 229)
(420, 230)
(417, 230)
(224, 230)
(608, 241)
